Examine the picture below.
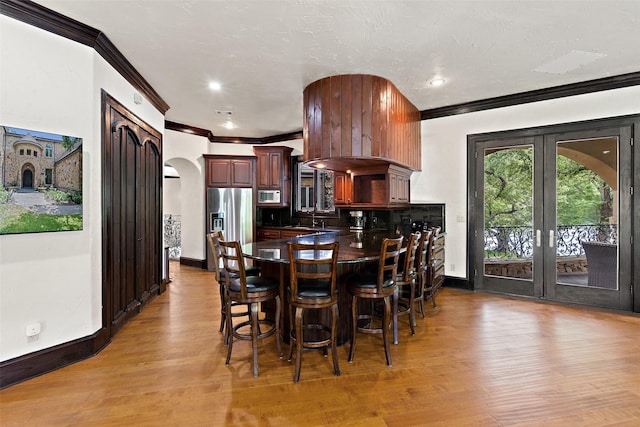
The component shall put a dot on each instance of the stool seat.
(254, 284)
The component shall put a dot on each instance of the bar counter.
(358, 253)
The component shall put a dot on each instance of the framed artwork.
(40, 181)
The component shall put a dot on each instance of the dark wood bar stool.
(220, 275)
(403, 302)
(312, 287)
(423, 258)
(251, 290)
(382, 286)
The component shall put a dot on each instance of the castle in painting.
(31, 160)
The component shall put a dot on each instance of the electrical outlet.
(33, 329)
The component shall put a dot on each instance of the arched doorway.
(27, 179)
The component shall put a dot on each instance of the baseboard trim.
(22, 368)
(457, 282)
(192, 262)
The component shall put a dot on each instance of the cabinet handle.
(538, 238)
(551, 236)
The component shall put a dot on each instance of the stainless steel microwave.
(268, 196)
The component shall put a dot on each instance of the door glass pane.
(508, 212)
(587, 212)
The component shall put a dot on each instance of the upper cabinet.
(225, 171)
(385, 186)
(343, 189)
(273, 174)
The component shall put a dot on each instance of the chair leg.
(223, 309)
(229, 335)
(334, 350)
(395, 297)
(354, 326)
(299, 343)
(291, 333)
(412, 313)
(254, 337)
(385, 329)
(421, 306)
(278, 331)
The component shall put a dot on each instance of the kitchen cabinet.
(386, 186)
(264, 233)
(343, 189)
(273, 172)
(271, 233)
(226, 172)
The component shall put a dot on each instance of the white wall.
(444, 151)
(51, 84)
(185, 152)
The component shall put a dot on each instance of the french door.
(552, 214)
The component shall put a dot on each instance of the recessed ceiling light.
(438, 81)
(606, 151)
(215, 86)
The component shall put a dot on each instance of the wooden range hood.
(358, 122)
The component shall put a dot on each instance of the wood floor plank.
(476, 359)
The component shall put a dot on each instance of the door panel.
(507, 195)
(585, 261)
(549, 211)
(132, 212)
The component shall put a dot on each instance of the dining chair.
(250, 290)
(423, 257)
(220, 275)
(375, 287)
(312, 269)
(403, 302)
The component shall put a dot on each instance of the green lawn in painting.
(31, 222)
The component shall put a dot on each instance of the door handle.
(551, 237)
(538, 238)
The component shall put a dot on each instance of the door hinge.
(476, 233)
(476, 154)
(631, 142)
(631, 190)
(475, 194)
(475, 271)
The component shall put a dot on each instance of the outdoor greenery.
(30, 222)
(63, 196)
(582, 196)
(5, 195)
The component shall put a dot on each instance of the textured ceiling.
(265, 52)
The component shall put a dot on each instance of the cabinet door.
(218, 173)
(267, 234)
(343, 189)
(242, 173)
(270, 170)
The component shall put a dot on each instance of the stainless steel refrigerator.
(231, 211)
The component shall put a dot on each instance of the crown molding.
(580, 88)
(46, 19)
(180, 127)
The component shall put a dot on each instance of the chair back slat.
(410, 256)
(233, 262)
(316, 262)
(212, 241)
(388, 265)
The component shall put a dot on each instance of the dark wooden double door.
(132, 214)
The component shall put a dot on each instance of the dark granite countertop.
(354, 247)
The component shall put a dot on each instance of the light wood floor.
(477, 359)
